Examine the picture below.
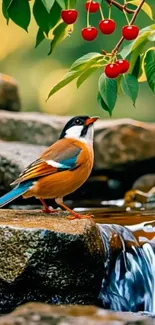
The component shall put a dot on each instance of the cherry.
(69, 16)
(130, 32)
(107, 26)
(124, 65)
(112, 70)
(89, 33)
(92, 6)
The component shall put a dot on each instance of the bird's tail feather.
(14, 193)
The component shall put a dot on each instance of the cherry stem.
(126, 16)
(110, 11)
(88, 13)
(119, 6)
(68, 4)
(101, 12)
(116, 48)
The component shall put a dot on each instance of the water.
(129, 283)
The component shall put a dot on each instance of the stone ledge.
(42, 314)
(48, 258)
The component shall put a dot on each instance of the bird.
(61, 169)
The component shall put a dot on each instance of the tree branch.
(119, 6)
(116, 48)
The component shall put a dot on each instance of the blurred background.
(36, 72)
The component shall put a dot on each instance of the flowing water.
(129, 283)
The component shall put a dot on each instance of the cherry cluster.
(107, 27)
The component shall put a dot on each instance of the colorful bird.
(61, 169)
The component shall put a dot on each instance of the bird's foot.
(49, 210)
(80, 216)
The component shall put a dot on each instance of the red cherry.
(112, 70)
(89, 33)
(107, 26)
(124, 65)
(69, 16)
(92, 6)
(130, 32)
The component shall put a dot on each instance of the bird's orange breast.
(63, 183)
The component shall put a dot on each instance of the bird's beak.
(91, 120)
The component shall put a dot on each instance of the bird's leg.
(75, 215)
(46, 208)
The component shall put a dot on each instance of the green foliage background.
(36, 72)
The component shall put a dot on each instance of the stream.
(129, 241)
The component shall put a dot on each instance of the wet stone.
(48, 259)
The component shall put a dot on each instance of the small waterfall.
(129, 281)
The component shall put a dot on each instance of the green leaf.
(48, 4)
(66, 80)
(135, 54)
(130, 86)
(19, 12)
(59, 34)
(5, 6)
(137, 67)
(151, 37)
(86, 60)
(86, 74)
(108, 90)
(149, 66)
(62, 4)
(146, 8)
(54, 16)
(40, 37)
(41, 16)
(141, 40)
(103, 104)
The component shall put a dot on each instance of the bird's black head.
(78, 127)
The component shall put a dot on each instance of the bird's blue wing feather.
(16, 192)
(70, 162)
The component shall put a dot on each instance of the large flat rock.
(49, 259)
(42, 314)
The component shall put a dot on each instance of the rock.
(117, 142)
(43, 314)
(123, 141)
(34, 128)
(14, 157)
(9, 94)
(49, 259)
(144, 183)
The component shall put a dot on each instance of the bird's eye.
(78, 122)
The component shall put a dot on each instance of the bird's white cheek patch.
(74, 132)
